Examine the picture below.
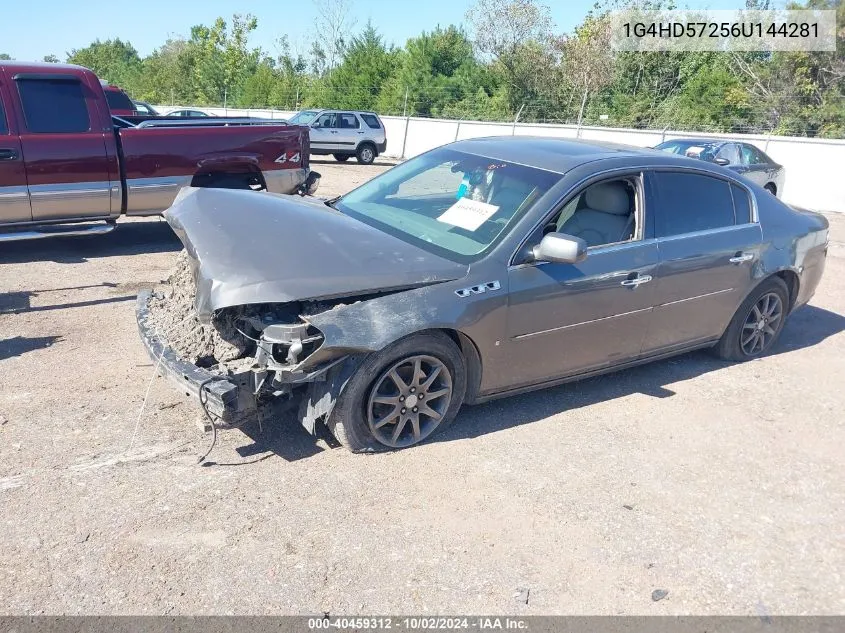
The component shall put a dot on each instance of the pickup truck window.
(118, 100)
(4, 129)
(51, 106)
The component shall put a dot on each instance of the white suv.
(344, 133)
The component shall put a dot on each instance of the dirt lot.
(721, 484)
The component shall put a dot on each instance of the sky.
(31, 30)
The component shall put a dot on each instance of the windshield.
(688, 148)
(454, 204)
(303, 118)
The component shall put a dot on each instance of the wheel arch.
(367, 142)
(209, 177)
(793, 284)
(472, 358)
(786, 275)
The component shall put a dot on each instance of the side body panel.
(569, 318)
(348, 135)
(158, 162)
(701, 281)
(325, 138)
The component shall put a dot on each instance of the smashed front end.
(265, 368)
(275, 301)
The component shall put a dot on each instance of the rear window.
(3, 127)
(371, 120)
(52, 106)
(118, 100)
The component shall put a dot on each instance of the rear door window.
(729, 152)
(349, 121)
(752, 156)
(53, 106)
(372, 121)
(688, 202)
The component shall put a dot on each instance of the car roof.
(556, 154)
(40, 66)
(701, 141)
(321, 110)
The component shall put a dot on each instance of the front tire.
(401, 395)
(757, 324)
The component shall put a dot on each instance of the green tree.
(5, 57)
(435, 70)
(114, 61)
(51, 59)
(358, 80)
(292, 80)
(222, 58)
(516, 35)
(168, 74)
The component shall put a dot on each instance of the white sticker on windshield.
(468, 214)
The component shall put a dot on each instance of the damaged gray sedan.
(480, 269)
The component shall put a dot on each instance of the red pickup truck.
(64, 164)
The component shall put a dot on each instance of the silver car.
(344, 133)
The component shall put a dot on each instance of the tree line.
(506, 62)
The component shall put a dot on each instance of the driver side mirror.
(560, 248)
(722, 161)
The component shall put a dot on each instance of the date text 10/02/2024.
(419, 623)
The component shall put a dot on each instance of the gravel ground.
(720, 484)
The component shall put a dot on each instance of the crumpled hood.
(247, 247)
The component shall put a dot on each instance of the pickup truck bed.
(64, 162)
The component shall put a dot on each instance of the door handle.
(8, 154)
(636, 281)
(740, 258)
(333, 131)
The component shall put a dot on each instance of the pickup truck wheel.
(341, 157)
(366, 153)
(401, 395)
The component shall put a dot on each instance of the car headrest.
(609, 197)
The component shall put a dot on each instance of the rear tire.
(757, 324)
(341, 158)
(366, 153)
(369, 412)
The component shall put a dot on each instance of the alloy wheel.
(409, 401)
(761, 325)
